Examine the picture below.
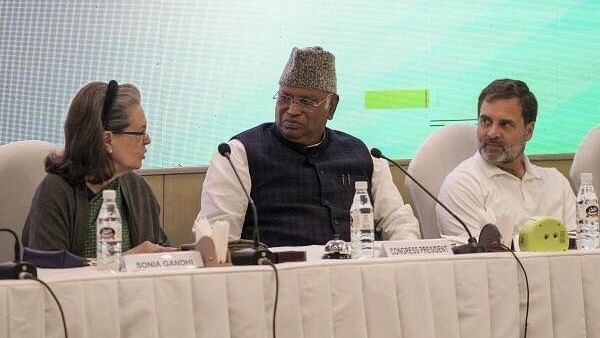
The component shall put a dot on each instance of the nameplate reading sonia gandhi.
(163, 261)
(423, 247)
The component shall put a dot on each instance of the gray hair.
(84, 157)
(117, 118)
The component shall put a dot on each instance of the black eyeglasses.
(137, 133)
(111, 92)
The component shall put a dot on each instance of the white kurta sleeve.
(465, 198)
(392, 217)
(223, 198)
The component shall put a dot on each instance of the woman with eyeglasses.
(105, 139)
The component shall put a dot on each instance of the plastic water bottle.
(108, 234)
(362, 233)
(588, 223)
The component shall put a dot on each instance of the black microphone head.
(376, 153)
(224, 149)
(490, 238)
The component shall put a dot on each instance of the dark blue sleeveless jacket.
(303, 195)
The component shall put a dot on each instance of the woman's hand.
(149, 247)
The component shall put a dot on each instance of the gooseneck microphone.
(471, 246)
(24, 270)
(17, 247)
(255, 255)
(489, 237)
(225, 151)
(16, 269)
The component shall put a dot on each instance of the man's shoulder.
(346, 140)
(466, 168)
(343, 135)
(466, 176)
(259, 129)
(550, 174)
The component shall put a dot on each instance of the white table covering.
(480, 295)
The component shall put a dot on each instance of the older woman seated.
(105, 139)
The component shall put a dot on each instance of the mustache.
(493, 142)
(290, 120)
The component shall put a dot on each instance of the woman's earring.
(109, 150)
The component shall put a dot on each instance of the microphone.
(255, 255)
(471, 246)
(17, 247)
(16, 269)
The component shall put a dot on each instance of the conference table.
(477, 295)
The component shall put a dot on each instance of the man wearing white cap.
(300, 173)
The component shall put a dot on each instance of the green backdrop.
(209, 69)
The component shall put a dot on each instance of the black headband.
(109, 98)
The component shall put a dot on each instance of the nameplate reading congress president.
(423, 247)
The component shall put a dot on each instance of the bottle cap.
(109, 194)
(586, 177)
(360, 185)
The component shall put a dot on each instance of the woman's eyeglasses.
(137, 133)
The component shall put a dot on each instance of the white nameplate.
(421, 247)
(163, 261)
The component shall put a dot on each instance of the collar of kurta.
(311, 149)
(491, 169)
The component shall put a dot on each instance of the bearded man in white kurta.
(499, 184)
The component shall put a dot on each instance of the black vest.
(302, 195)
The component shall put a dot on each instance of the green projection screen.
(208, 69)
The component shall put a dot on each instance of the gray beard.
(507, 156)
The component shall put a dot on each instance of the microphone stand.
(471, 246)
(16, 269)
(254, 255)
